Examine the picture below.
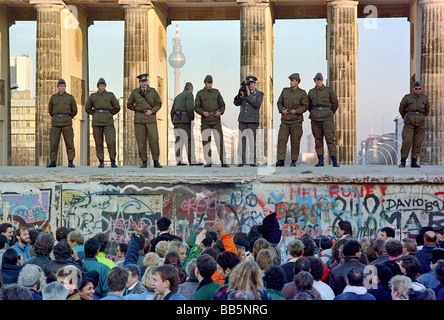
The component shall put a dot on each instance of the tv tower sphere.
(177, 58)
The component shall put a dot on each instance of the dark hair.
(93, 276)
(301, 264)
(212, 252)
(346, 227)
(439, 271)
(4, 226)
(117, 278)
(123, 247)
(17, 233)
(379, 246)
(350, 248)
(174, 259)
(303, 281)
(133, 268)
(62, 250)
(3, 240)
(10, 256)
(61, 233)
(85, 281)
(206, 265)
(209, 238)
(103, 240)
(325, 243)
(426, 294)
(163, 223)
(384, 273)
(15, 292)
(393, 247)
(91, 247)
(411, 265)
(316, 268)
(228, 259)
(43, 244)
(390, 232)
(274, 277)
(355, 276)
(243, 242)
(309, 244)
(168, 272)
(33, 234)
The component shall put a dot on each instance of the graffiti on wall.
(301, 208)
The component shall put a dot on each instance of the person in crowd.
(401, 287)
(117, 279)
(355, 289)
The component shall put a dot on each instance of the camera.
(244, 85)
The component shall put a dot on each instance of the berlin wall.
(315, 208)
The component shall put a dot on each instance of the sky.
(213, 47)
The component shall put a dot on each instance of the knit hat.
(270, 207)
(29, 275)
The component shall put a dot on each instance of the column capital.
(343, 3)
(136, 4)
(424, 3)
(43, 4)
(253, 3)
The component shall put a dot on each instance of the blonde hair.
(176, 246)
(162, 248)
(402, 285)
(247, 276)
(240, 251)
(258, 245)
(148, 278)
(151, 259)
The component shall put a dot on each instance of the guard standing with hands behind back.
(103, 105)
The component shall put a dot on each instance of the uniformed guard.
(182, 117)
(249, 99)
(292, 103)
(414, 107)
(62, 108)
(145, 101)
(322, 105)
(210, 105)
(103, 105)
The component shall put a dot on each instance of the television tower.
(177, 61)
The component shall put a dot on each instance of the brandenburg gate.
(62, 52)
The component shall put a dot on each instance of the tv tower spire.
(177, 60)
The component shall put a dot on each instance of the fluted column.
(256, 36)
(342, 52)
(48, 70)
(432, 78)
(135, 62)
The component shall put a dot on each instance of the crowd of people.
(213, 264)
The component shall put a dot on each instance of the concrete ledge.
(216, 174)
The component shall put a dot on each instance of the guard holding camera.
(145, 102)
(210, 105)
(292, 103)
(182, 117)
(249, 99)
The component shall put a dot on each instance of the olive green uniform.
(413, 109)
(291, 124)
(322, 105)
(248, 119)
(145, 127)
(211, 101)
(102, 107)
(62, 108)
(182, 113)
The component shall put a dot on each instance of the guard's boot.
(52, 164)
(293, 163)
(280, 163)
(208, 165)
(113, 163)
(71, 164)
(320, 161)
(101, 164)
(224, 165)
(415, 164)
(334, 161)
(402, 164)
(157, 164)
(144, 164)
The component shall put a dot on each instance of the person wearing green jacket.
(211, 106)
(206, 265)
(62, 107)
(292, 103)
(90, 263)
(145, 101)
(322, 105)
(103, 105)
(182, 117)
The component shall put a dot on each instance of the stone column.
(135, 62)
(48, 70)
(432, 78)
(256, 36)
(342, 52)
